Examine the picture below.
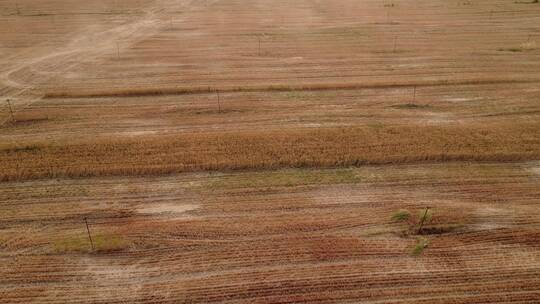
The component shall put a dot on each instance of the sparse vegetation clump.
(415, 226)
(103, 243)
(287, 178)
(423, 224)
(401, 216)
(422, 243)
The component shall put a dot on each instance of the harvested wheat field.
(235, 151)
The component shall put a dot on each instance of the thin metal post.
(89, 235)
(423, 220)
(218, 101)
(10, 110)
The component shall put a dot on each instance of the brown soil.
(240, 151)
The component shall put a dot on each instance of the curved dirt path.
(85, 45)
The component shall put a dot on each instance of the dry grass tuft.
(401, 216)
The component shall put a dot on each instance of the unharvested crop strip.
(332, 147)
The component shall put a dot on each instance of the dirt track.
(116, 105)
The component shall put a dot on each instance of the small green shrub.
(401, 215)
(420, 246)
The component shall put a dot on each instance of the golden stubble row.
(250, 150)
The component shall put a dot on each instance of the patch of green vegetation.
(458, 171)
(288, 178)
(70, 245)
(103, 243)
(108, 243)
(401, 215)
(365, 174)
(422, 243)
(416, 225)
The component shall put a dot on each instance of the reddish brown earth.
(333, 116)
(284, 236)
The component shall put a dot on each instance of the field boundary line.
(275, 88)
